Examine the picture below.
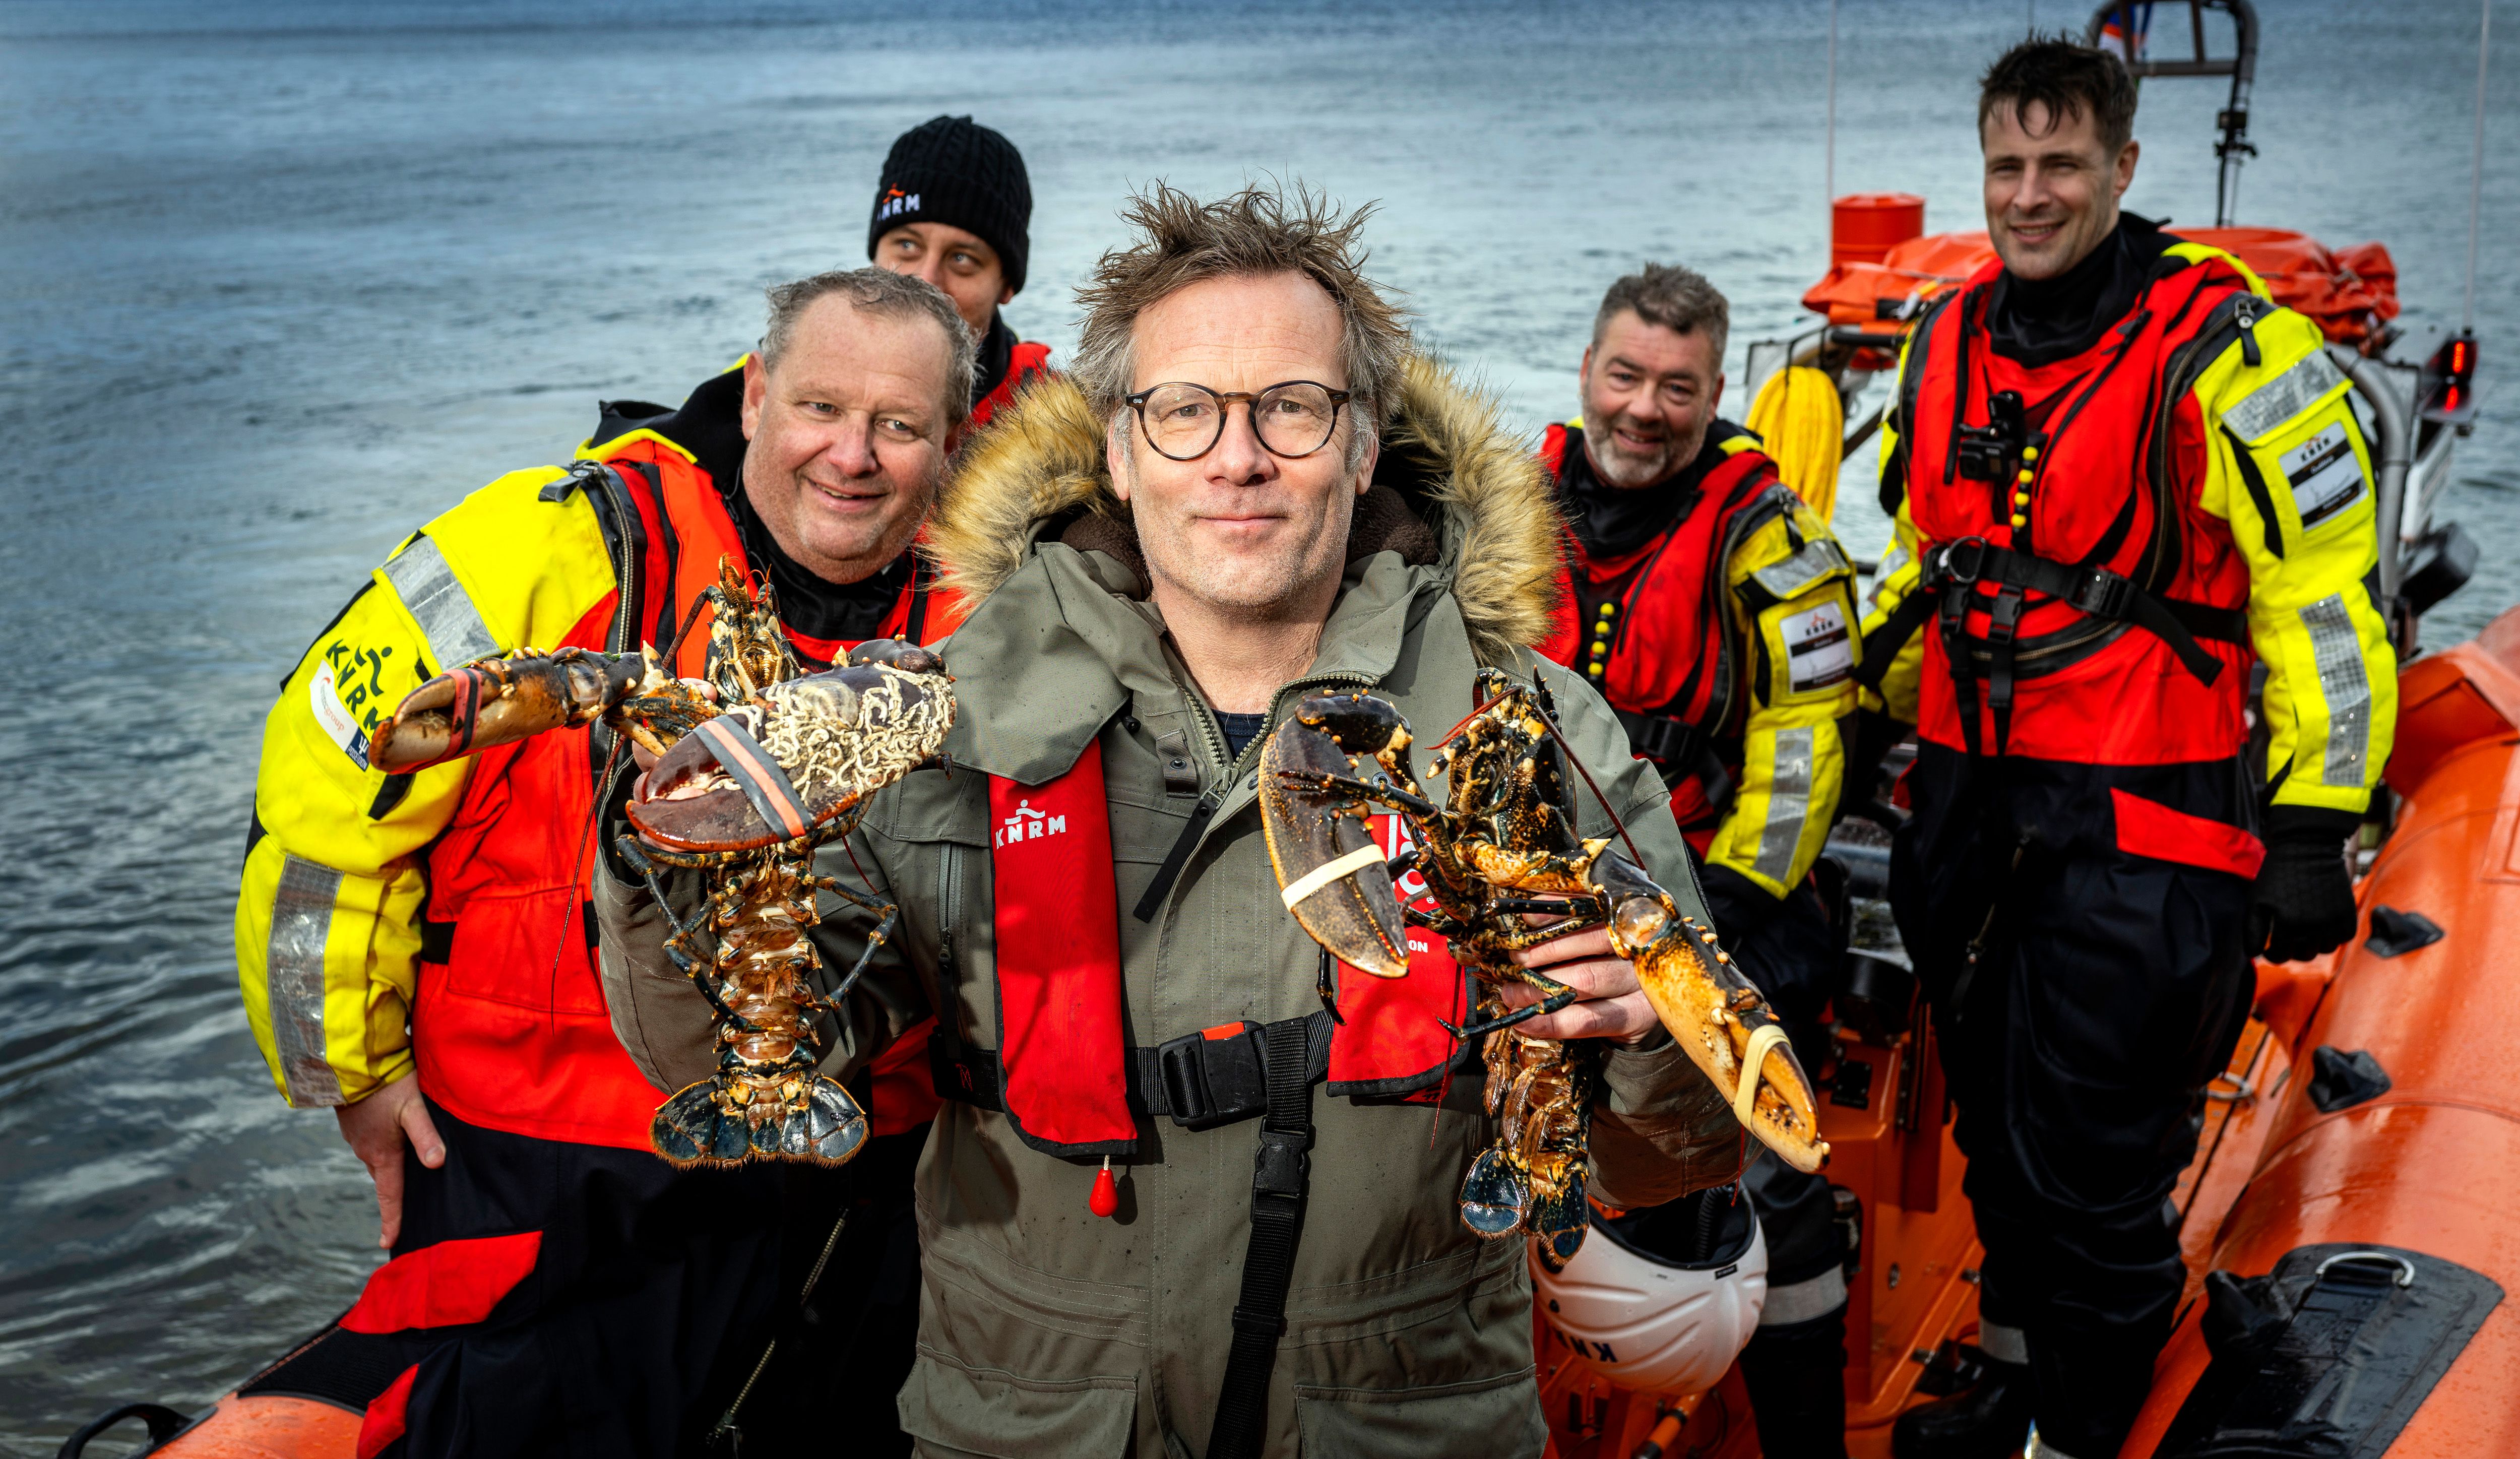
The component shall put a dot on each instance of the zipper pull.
(2246, 312)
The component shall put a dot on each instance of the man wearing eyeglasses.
(1144, 1230)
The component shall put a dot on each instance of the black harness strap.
(920, 576)
(1682, 747)
(1881, 646)
(1959, 568)
(1279, 1177)
(1179, 857)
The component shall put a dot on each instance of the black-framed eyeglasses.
(1293, 419)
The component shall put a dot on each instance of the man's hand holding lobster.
(1612, 1005)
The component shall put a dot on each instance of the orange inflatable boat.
(2351, 1220)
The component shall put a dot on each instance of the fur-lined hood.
(1448, 465)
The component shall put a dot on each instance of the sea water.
(279, 282)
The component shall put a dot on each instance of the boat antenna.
(1828, 172)
(2476, 169)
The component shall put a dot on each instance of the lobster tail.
(703, 1125)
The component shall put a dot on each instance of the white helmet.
(1661, 1300)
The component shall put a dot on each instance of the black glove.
(2305, 894)
(1740, 907)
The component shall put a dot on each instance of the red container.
(1862, 226)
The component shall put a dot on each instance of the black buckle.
(1214, 1077)
(1658, 738)
(1282, 1167)
(1952, 572)
(2101, 592)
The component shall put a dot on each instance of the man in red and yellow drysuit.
(416, 951)
(953, 206)
(1715, 612)
(2122, 480)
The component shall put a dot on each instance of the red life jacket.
(1026, 361)
(510, 1028)
(2121, 459)
(1063, 1072)
(1650, 628)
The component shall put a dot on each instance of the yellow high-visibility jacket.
(327, 918)
(1758, 689)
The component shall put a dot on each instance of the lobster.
(1501, 853)
(757, 765)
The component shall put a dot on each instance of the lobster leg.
(883, 932)
(1383, 795)
(679, 944)
(1559, 997)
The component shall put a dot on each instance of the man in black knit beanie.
(953, 207)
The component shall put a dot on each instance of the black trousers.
(652, 1293)
(1794, 1369)
(2105, 991)
(654, 1301)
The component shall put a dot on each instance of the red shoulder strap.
(1394, 1040)
(1059, 1034)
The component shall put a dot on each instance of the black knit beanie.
(954, 171)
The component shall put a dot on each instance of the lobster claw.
(497, 701)
(1329, 867)
(1719, 1019)
(779, 768)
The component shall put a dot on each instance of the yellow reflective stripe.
(301, 923)
(2337, 650)
(1790, 786)
(438, 603)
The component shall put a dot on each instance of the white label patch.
(2324, 475)
(1820, 648)
(324, 699)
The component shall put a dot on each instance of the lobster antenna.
(685, 632)
(577, 866)
(2476, 167)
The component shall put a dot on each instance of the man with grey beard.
(1716, 614)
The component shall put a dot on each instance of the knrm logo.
(1028, 825)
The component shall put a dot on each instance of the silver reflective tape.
(1803, 1301)
(428, 586)
(1788, 802)
(2005, 1344)
(301, 918)
(2285, 396)
(1818, 557)
(2338, 652)
(1891, 562)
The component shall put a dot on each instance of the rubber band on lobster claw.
(502, 700)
